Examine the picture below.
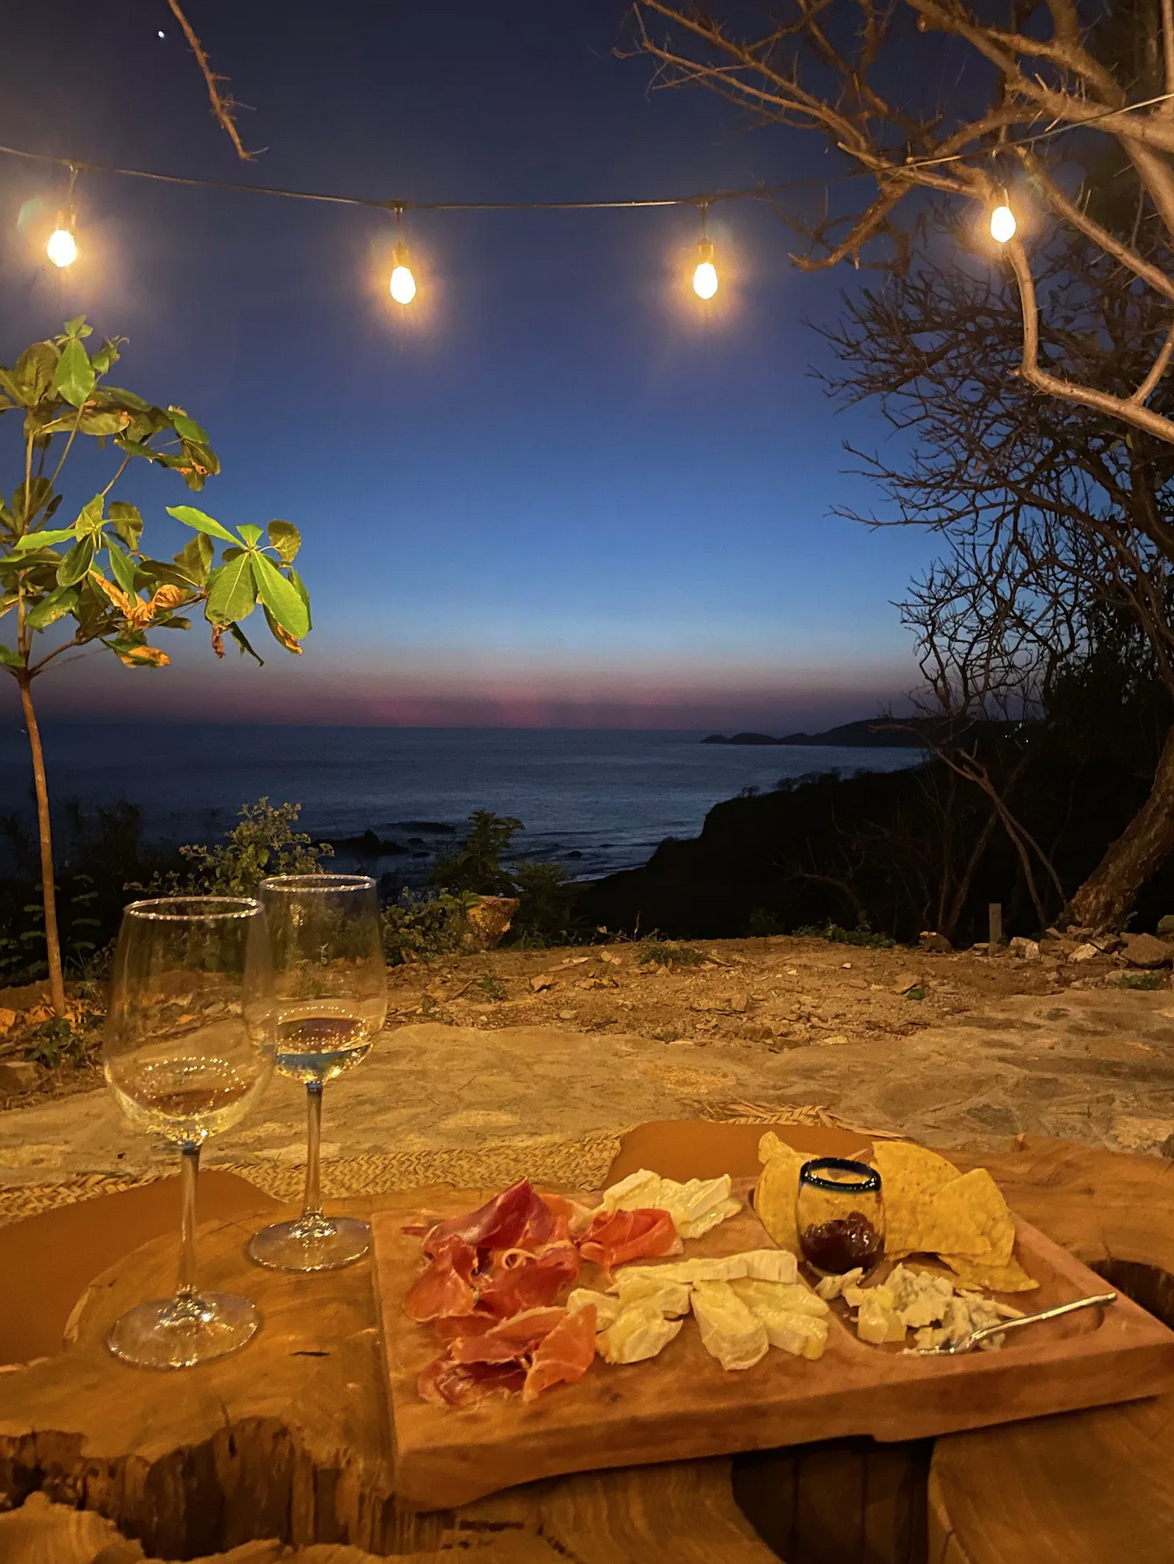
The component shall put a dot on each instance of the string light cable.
(62, 247)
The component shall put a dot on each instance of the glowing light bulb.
(705, 273)
(403, 284)
(62, 247)
(1003, 224)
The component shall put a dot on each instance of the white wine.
(185, 1099)
(320, 1044)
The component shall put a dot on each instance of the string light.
(62, 246)
(403, 284)
(1003, 224)
(705, 272)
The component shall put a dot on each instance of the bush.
(663, 953)
(1143, 980)
(546, 902)
(474, 866)
(860, 935)
(423, 927)
(262, 843)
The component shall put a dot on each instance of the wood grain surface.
(682, 1405)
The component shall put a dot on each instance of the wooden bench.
(288, 1439)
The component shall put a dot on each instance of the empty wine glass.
(188, 1050)
(331, 987)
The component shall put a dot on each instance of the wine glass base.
(317, 1243)
(172, 1333)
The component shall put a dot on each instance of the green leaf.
(232, 594)
(74, 375)
(286, 539)
(91, 516)
(12, 659)
(187, 428)
(122, 567)
(77, 562)
(128, 399)
(77, 327)
(249, 533)
(34, 372)
(245, 644)
(195, 559)
(304, 593)
(281, 598)
(52, 608)
(103, 357)
(127, 522)
(101, 423)
(191, 517)
(136, 448)
(31, 540)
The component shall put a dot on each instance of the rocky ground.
(1068, 1039)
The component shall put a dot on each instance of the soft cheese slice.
(792, 1298)
(639, 1332)
(770, 1265)
(785, 1312)
(606, 1307)
(671, 1298)
(695, 1207)
(878, 1323)
(729, 1331)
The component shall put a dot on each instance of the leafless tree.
(854, 73)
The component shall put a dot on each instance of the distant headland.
(871, 733)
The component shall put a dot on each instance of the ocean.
(595, 800)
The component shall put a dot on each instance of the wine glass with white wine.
(331, 1004)
(188, 1051)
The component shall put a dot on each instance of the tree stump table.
(288, 1440)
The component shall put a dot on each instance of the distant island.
(871, 733)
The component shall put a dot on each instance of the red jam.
(842, 1244)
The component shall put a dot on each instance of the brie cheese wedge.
(606, 1307)
(637, 1333)
(729, 1331)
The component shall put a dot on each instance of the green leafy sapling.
(93, 580)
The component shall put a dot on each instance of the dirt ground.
(778, 993)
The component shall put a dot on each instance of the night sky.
(556, 491)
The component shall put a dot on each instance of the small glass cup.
(839, 1214)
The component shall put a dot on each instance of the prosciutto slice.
(520, 1279)
(616, 1237)
(564, 1355)
(509, 1340)
(501, 1223)
(449, 1384)
(446, 1288)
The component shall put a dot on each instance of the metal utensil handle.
(1102, 1298)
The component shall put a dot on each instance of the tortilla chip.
(771, 1146)
(910, 1178)
(776, 1192)
(970, 1217)
(995, 1278)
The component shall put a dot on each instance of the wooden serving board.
(682, 1405)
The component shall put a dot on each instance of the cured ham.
(449, 1384)
(446, 1288)
(520, 1280)
(564, 1355)
(615, 1237)
(509, 1340)
(518, 1213)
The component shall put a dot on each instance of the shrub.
(860, 935)
(1143, 980)
(474, 865)
(546, 902)
(263, 842)
(663, 953)
(423, 927)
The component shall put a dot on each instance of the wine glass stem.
(187, 1248)
(313, 1201)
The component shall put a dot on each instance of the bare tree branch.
(223, 105)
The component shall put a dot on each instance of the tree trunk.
(1109, 891)
(48, 890)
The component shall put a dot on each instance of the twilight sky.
(556, 491)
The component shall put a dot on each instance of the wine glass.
(331, 988)
(188, 1051)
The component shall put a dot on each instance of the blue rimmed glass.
(839, 1214)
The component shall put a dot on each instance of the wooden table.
(289, 1438)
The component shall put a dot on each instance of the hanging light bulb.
(403, 284)
(62, 246)
(705, 272)
(1003, 224)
